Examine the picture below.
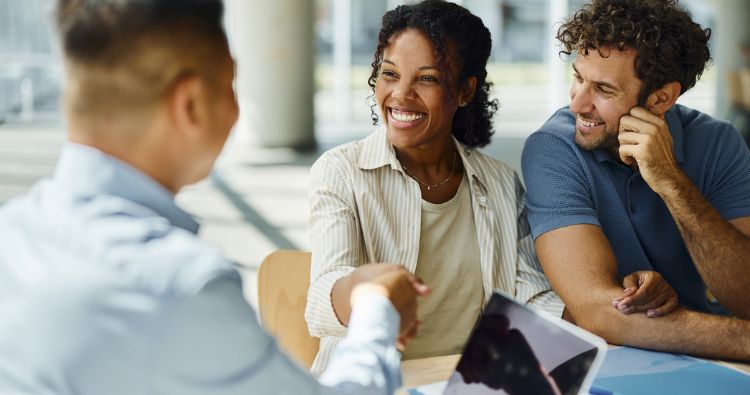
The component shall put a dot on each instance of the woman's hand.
(392, 281)
(402, 289)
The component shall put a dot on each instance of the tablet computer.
(516, 350)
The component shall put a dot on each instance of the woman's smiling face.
(411, 92)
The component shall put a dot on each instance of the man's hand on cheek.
(645, 140)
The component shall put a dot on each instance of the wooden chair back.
(283, 281)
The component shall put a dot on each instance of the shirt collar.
(675, 129)
(87, 171)
(377, 152)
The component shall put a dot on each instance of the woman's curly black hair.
(669, 45)
(453, 30)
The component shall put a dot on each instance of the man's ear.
(185, 102)
(467, 91)
(662, 99)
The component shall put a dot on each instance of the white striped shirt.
(365, 209)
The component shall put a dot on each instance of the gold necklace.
(432, 186)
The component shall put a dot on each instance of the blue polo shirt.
(567, 185)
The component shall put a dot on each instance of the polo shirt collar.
(675, 129)
(378, 152)
(87, 172)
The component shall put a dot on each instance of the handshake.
(399, 286)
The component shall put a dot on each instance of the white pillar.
(273, 43)
(556, 67)
(342, 58)
(732, 28)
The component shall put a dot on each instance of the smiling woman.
(417, 194)
(417, 106)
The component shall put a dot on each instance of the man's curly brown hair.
(669, 45)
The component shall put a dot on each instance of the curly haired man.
(640, 207)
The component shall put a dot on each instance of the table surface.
(418, 372)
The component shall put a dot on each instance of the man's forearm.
(720, 251)
(682, 331)
(587, 283)
(366, 361)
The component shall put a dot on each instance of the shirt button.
(482, 199)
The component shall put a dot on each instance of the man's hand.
(341, 293)
(646, 291)
(400, 287)
(645, 139)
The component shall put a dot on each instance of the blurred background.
(302, 77)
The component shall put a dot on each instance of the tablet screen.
(513, 350)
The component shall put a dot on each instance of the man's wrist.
(362, 291)
(672, 186)
(369, 309)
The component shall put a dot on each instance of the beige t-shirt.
(449, 263)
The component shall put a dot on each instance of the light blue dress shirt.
(106, 289)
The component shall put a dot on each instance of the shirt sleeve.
(532, 286)
(211, 343)
(335, 241)
(558, 191)
(729, 192)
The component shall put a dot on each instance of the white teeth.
(404, 116)
(588, 124)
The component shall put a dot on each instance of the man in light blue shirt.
(104, 286)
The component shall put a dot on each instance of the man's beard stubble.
(607, 141)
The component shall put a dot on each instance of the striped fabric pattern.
(365, 209)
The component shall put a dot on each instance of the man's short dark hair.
(670, 46)
(124, 54)
(105, 30)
